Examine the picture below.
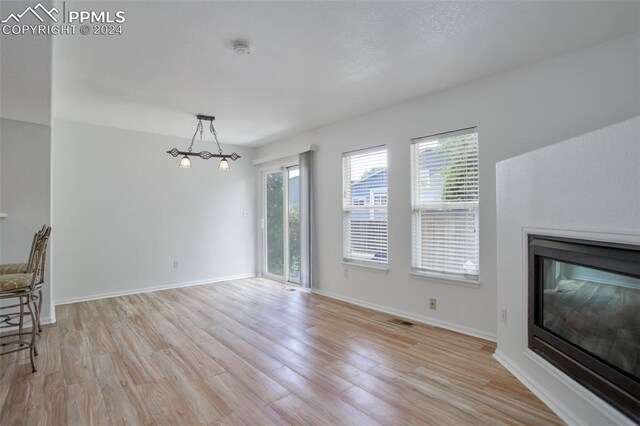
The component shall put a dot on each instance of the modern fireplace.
(584, 314)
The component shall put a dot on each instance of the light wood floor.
(250, 352)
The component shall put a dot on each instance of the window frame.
(346, 210)
(416, 271)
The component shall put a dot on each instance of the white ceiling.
(311, 63)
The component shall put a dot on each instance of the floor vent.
(288, 289)
(401, 322)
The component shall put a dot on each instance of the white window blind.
(444, 178)
(364, 205)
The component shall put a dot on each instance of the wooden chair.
(26, 288)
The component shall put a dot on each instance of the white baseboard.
(148, 289)
(414, 317)
(614, 416)
(553, 401)
(554, 404)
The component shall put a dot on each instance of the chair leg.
(36, 308)
(34, 325)
(36, 313)
(21, 319)
(39, 310)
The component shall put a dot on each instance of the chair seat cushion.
(13, 268)
(15, 281)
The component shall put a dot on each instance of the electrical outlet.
(433, 304)
(345, 271)
(503, 315)
(176, 264)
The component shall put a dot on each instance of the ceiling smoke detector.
(241, 48)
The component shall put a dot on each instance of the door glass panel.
(294, 224)
(274, 196)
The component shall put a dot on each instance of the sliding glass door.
(273, 224)
(282, 224)
(293, 224)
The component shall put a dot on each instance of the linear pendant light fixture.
(185, 162)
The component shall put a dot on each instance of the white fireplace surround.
(588, 188)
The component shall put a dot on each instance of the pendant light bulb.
(224, 164)
(185, 163)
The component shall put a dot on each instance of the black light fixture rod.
(174, 152)
(205, 117)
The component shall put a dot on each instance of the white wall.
(25, 169)
(515, 112)
(25, 157)
(25, 142)
(587, 187)
(123, 212)
(25, 71)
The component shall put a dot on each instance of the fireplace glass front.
(584, 314)
(595, 310)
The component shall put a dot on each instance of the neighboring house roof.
(378, 179)
(374, 180)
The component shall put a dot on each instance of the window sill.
(382, 269)
(466, 282)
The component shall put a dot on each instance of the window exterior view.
(445, 204)
(365, 189)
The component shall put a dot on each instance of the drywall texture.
(515, 112)
(123, 212)
(587, 187)
(25, 155)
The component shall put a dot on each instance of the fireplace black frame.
(615, 386)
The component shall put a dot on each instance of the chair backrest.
(40, 255)
(36, 237)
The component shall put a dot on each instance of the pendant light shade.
(224, 164)
(185, 163)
